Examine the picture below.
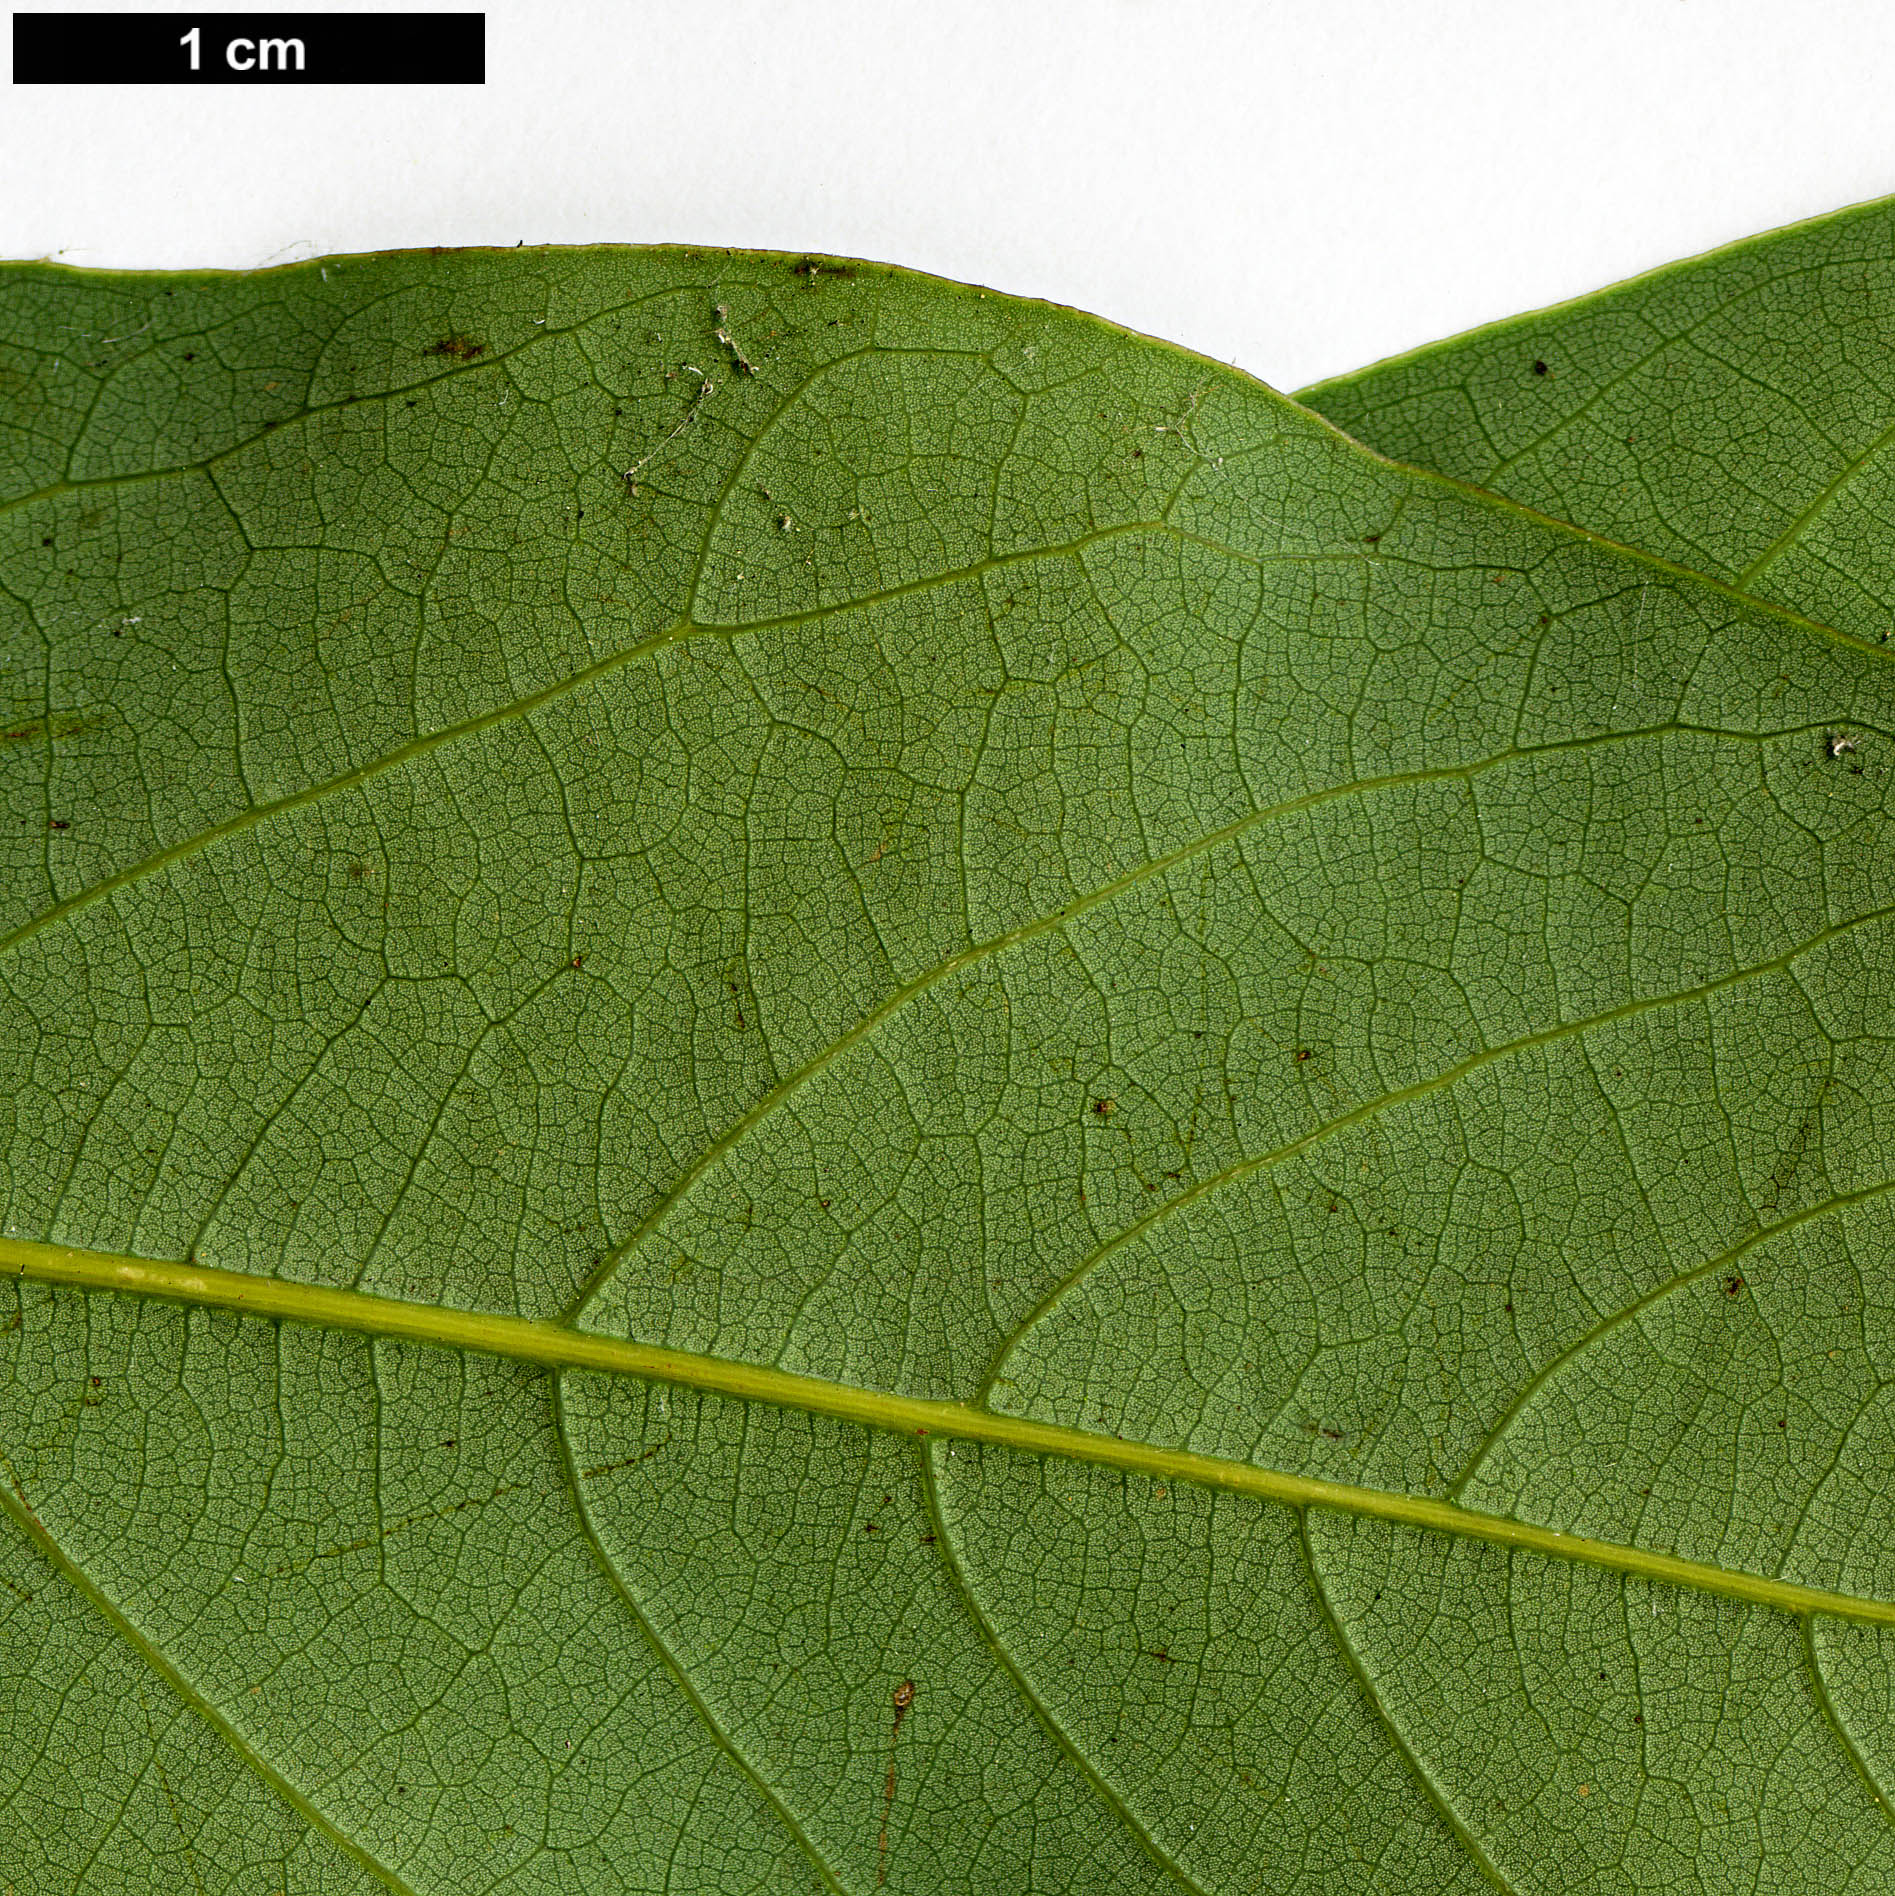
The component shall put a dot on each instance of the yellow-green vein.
(556, 1346)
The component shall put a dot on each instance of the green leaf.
(813, 1081)
(1734, 413)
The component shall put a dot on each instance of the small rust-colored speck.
(1733, 1286)
(904, 1697)
(1304, 1053)
(1105, 1108)
(578, 961)
(458, 348)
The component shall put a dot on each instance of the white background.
(1297, 187)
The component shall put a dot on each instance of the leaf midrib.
(560, 1347)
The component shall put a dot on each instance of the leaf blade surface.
(1731, 413)
(868, 830)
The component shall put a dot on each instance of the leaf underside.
(863, 830)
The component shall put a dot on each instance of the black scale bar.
(249, 49)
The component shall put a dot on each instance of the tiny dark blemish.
(904, 1697)
(1733, 1286)
(458, 348)
(190, 355)
(46, 543)
(578, 961)
(1304, 1053)
(58, 823)
(1105, 1108)
(1371, 539)
(1540, 368)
